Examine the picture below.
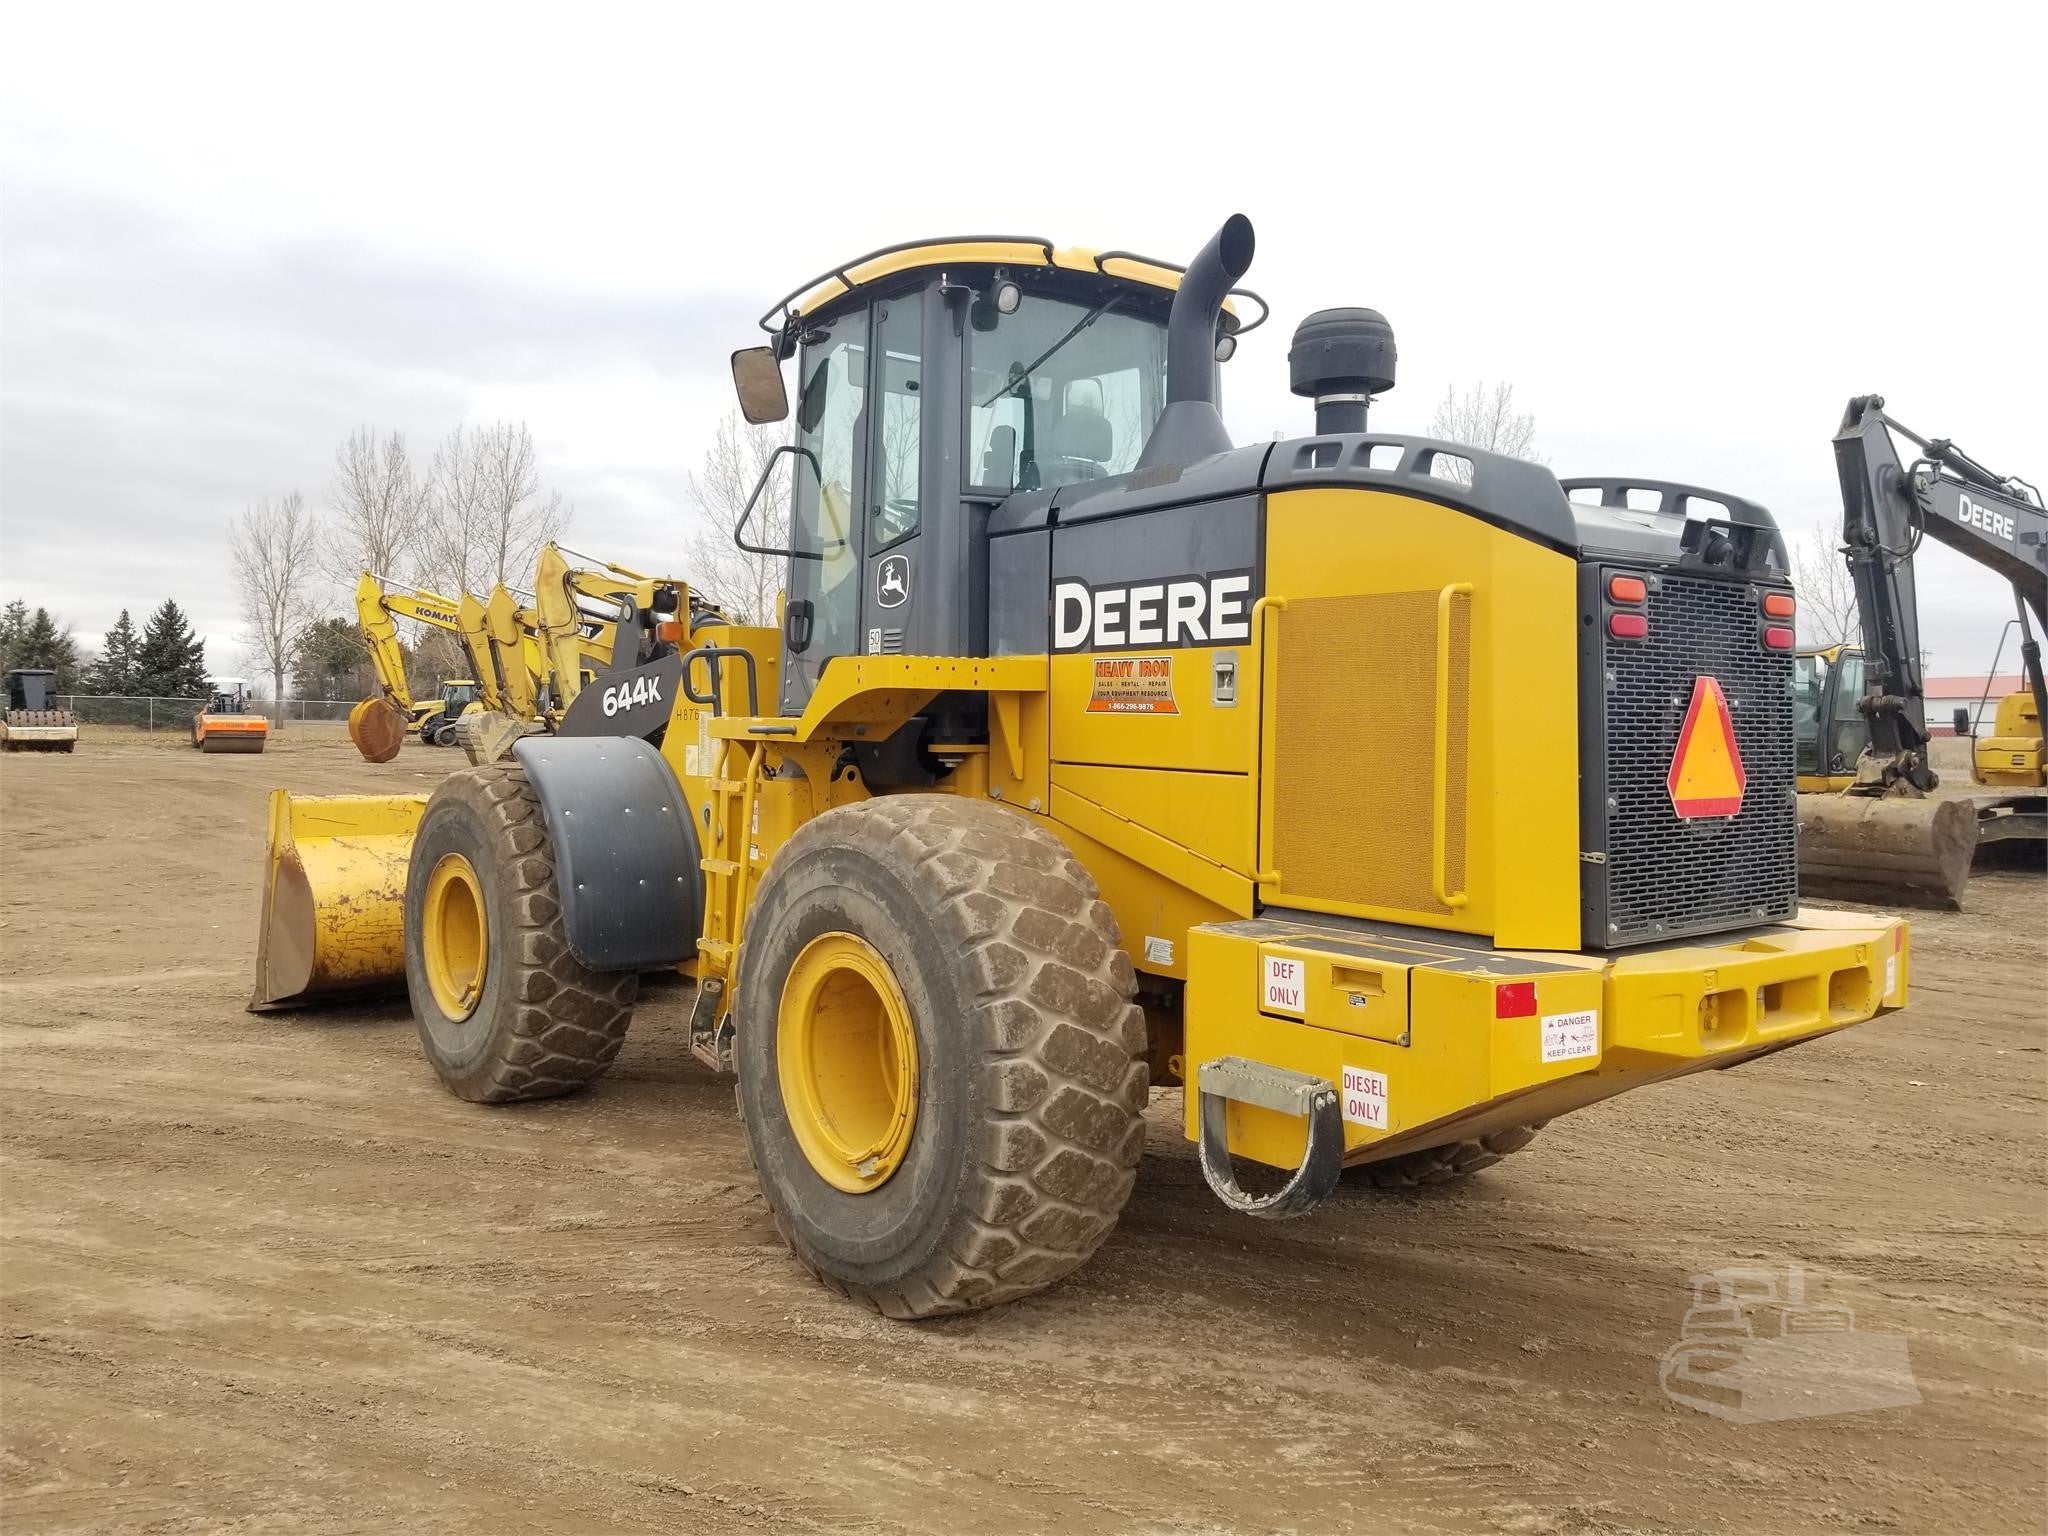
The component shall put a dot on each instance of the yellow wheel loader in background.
(1870, 826)
(1374, 789)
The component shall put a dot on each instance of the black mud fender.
(627, 865)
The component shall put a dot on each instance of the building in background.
(1945, 695)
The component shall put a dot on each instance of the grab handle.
(1439, 823)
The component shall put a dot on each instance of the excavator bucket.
(378, 730)
(1913, 852)
(334, 897)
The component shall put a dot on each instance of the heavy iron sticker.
(1133, 685)
(1707, 777)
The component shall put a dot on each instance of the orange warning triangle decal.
(1707, 777)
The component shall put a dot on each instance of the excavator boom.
(1885, 835)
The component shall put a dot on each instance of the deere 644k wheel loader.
(1372, 787)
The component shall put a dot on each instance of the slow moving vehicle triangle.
(1707, 777)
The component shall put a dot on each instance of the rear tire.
(541, 1023)
(1029, 1071)
(1440, 1165)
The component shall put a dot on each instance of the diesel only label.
(1172, 611)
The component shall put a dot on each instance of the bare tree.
(487, 515)
(378, 507)
(1827, 594)
(274, 547)
(745, 585)
(1484, 418)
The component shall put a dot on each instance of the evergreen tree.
(171, 661)
(114, 670)
(43, 643)
(13, 625)
(331, 661)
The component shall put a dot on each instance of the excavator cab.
(1830, 731)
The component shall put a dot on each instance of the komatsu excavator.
(380, 724)
(1886, 835)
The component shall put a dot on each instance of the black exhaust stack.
(1341, 358)
(1191, 427)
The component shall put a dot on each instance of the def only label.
(1364, 1092)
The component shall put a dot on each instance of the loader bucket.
(1891, 852)
(378, 730)
(334, 897)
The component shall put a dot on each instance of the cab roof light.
(1627, 589)
(1780, 605)
(1778, 637)
(1627, 626)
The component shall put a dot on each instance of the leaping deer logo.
(892, 582)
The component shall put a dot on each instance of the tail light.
(1777, 637)
(1780, 605)
(1627, 626)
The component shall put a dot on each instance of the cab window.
(1061, 392)
(894, 508)
(824, 580)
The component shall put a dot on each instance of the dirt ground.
(265, 1275)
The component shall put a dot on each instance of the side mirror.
(757, 378)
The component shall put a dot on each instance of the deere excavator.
(1870, 825)
(1373, 788)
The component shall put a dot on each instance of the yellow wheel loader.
(1374, 789)
(1871, 826)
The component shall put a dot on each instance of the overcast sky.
(1686, 235)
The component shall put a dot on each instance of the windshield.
(1062, 391)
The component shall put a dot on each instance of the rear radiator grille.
(1354, 684)
(1665, 876)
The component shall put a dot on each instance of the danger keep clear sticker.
(1133, 685)
(1569, 1036)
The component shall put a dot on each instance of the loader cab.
(925, 396)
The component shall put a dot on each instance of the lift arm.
(595, 616)
(1887, 508)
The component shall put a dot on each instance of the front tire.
(505, 1011)
(940, 1065)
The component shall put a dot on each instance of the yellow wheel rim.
(454, 938)
(847, 1056)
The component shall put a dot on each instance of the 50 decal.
(1177, 610)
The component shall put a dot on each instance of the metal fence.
(159, 714)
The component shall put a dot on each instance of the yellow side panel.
(1210, 814)
(1150, 709)
(1351, 786)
